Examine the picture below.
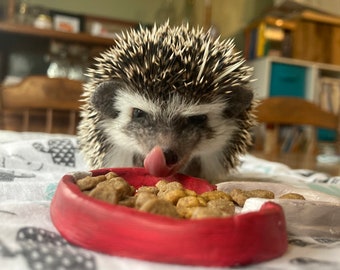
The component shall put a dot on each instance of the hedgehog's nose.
(170, 157)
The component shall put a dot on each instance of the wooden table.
(301, 161)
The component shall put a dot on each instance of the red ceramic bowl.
(118, 230)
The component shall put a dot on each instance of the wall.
(330, 6)
(145, 11)
(228, 16)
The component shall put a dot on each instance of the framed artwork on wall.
(67, 22)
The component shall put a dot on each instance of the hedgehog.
(172, 99)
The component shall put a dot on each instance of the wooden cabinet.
(35, 43)
(296, 32)
(25, 41)
(23, 46)
(317, 41)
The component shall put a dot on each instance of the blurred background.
(59, 38)
(24, 51)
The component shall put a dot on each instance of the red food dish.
(121, 231)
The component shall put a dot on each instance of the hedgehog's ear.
(238, 100)
(103, 97)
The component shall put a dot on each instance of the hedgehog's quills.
(171, 99)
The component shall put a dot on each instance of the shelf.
(289, 78)
(12, 28)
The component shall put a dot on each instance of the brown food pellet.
(225, 206)
(205, 212)
(106, 192)
(239, 196)
(150, 189)
(143, 197)
(161, 184)
(111, 175)
(260, 193)
(90, 182)
(191, 201)
(189, 192)
(216, 194)
(292, 196)
(128, 202)
(185, 212)
(185, 205)
(161, 207)
(122, 186)
(172, 195)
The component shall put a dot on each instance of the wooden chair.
(278, 111)
(47, 97)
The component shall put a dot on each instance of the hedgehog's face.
(166, 134)
(171, 98)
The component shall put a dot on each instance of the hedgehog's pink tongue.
(155, 163)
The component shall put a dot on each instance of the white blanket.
(31, 165)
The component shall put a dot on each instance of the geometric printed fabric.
(61, 150)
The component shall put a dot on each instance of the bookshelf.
(317, 82)
(23, 40)
(33, 44)
(294, 31)
(306, 83)
(268, 37)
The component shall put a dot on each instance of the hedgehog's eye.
(197, 119)
(138, 114)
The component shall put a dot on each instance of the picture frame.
(67, 22)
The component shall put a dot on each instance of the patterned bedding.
(31, 165)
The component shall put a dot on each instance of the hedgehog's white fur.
(169, 73)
